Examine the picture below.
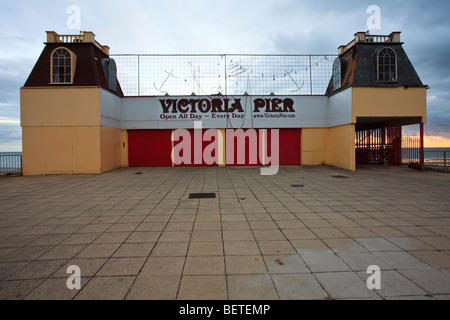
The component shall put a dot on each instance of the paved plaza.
(305, 233)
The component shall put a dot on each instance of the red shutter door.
(203, 144)
(290, 147)
(248, 143)
(152, 148)
(149, 148)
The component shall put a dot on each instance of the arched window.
(387, 65)
(336, 74)
(110, 70)
(62, 66)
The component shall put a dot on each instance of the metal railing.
(226, 74)
(437, 160)
(365, 37)
(429, 159)
(375, 38)
(412, 154)
(84, 36)
(11, 165)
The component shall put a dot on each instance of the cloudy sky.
(225, 26)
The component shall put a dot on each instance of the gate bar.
(421, 147)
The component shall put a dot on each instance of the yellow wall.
(341, 147)
(389, 102)
(61, 133)
(113, 154)
(60, 150)
(313, 145)
(60, 106)
(221, 158)
(333, 146)
(124, 156)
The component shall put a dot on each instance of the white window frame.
(337, 76)
(395, 78)
(72, 65)
(110, 70)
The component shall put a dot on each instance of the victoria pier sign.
(224, 108)
(243, 111)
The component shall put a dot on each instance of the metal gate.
(412, 152)
(379, 146)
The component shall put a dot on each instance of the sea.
(10, 163)
(434, 157)
(436, 149)
(431, 154)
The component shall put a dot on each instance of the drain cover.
(202, 195)
(340, 177)
(297, 185)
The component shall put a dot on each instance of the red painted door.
(290, 147)
(153, 148)
(288, 144)
(242, 147)
(199, 159)
(149, 148)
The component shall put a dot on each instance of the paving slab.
(298, 287)
(345, 285)
(204, 287)
(394, 284)
(251, 287)
(141, 237)
(105, 288)
(151, 287)
(434, 282)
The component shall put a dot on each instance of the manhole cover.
(138, 173)
(202, 195)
